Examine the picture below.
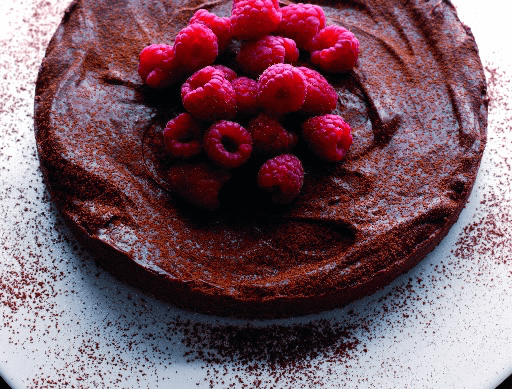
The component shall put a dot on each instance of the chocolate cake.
(417, 105)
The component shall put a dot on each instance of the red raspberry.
(301, 22)
(158, 66)
(198, 184)
(283, 176)
(182, 136)
(221, 27)
(228, 144)
(228, 72)
(321, 98)
(251, 19)
(282, 88)
(291, 52)
(207, 95)
(328, 136)
(334, 49)
(246, 96)
(255, 56)
(195, 47)
(275, 3)
(269, 137)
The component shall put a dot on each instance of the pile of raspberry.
(231, 117)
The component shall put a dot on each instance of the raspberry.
(282, 88)
(158, 66)
(283, 176)
(195, 47)
(207, 95)
(254, 57)
(275, 3)
(301, 22)
(228, 144)
(291, 52)
(221, 27)
(246, 91)
(198, 184)
(334, 49)
(251, 19)
(269, 137)
(321, 98)
(228, 73)
(182, 136)
(328, 136)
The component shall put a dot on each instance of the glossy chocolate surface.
(417, 104)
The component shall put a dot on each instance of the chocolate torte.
(417, 105)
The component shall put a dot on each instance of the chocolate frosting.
(417, 104)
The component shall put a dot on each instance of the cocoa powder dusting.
(68, 324)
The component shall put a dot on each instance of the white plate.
(445, 324)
